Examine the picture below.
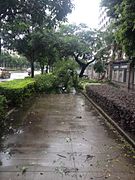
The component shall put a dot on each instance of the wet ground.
(18, 75)
(62, 137)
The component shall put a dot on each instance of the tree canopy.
(123, 13)
(21, 20)
(19, 17)
(81, 43)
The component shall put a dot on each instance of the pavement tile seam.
(73, 154)
(78, 171)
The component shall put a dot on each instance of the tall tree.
(113, 7)
(21, 17)
(80, 43)
(38, 46)
(123, 13)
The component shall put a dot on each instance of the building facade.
(123, 74)
(103, 19)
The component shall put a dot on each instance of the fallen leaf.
(24, 169)
(68, 139)
(61, 155)
(79, 117)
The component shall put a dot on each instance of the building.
(123, 74)
(104, 20)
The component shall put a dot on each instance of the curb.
(127, 138)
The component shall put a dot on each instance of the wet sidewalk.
(62, 137)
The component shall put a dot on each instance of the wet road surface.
(62, 137)
(18, 75)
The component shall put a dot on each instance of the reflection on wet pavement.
(59, 137)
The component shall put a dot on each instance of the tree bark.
(46, 69)
(83, 66)
(129, 76)
(133, 64)
(32, 69)
(42, 68)
(82, 71)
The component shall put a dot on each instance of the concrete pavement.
(62, 137)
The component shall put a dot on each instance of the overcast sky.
(86, 11)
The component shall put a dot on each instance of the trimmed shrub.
(16, 91)
(118, 104)
(46, 83)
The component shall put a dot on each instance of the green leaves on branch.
(99, 67)
(123, 13)
(21, 17)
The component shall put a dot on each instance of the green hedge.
(2, 108)
(46, 83)
(16, 91)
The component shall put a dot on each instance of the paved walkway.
(61, 137)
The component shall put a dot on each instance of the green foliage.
(126, 31)
(84, 82)
(36, 11)
(123, 13)
(80, 43)
(113, 7)
(22, 17)
(46, 83)
(2, 109)
(63, 78)
(16, 91)
(13, 61)
(40, 46)
(78, 40)
(19, 20)
(99, 67)
(66, 74)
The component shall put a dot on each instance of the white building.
(104, 20)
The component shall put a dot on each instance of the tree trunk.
(42, 70)
(82, 65)
(82, 71)
(42, 67)
(114, 52)
(32, 69)
(133, 78)
(129, 76)
(133, 64)
(47, 68)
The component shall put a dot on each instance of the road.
(62, 137)
(18, 75)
